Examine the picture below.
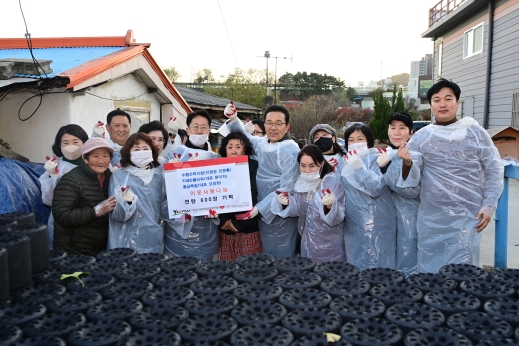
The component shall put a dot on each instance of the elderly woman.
(239, 237)
(319, 203)
(81, 202)
(138, 188)
(67, 149)
(155, 129)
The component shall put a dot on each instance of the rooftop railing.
(442, 9)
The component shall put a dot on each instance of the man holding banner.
(187, 235)
(277, 171)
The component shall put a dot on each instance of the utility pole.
(275, 70)
(267, 55)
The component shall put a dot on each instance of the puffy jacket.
(75, 231)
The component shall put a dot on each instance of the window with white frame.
(474, 40)
(439, 60)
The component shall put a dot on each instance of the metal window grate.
(514, 113)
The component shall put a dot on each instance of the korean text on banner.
(195, 187)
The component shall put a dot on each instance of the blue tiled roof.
(63, 59)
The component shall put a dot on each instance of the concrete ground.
(487, 241)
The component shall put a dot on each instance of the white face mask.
(141, 158)
(198, 140)
(313, 176)
(358, 146)
(72, 152)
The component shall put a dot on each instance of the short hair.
(278, 108)
(155, 125)
(315, 153)
(260, 124)
(198, 113)
(365, 130)
(70, 129)
(117, 112)
(443, 83)
(235, 135)
(133, 140)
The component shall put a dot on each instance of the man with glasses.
(277, 171)
(187, 235)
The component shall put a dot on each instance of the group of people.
(414, 206)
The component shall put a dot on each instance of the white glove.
(333, 162)
(105, 206)
(173, 126)
(328, 198)
(99, 130)
(193, 157)
(128, 196)
(185, 218)
(176, 158)
(212, 214)
(249, 126)
(249, 215)
(231, 112)
(51, 166)
(382, 158)
(283, 197)
(114, 167)
(353, 160)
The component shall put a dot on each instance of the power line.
(229, 37)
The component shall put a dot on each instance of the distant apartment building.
(476, 46)
(418, 68)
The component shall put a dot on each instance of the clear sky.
(344, 38)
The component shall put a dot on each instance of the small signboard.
(195, 187)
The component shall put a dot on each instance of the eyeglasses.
(158, 140)
(255, 132)
(278, 125)
(196, 128)
(171, 135)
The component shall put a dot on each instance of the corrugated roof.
(199, 97)
(63, 59)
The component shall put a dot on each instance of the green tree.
(382, 112)
(243, 86)
(351, 94)
(302, 85)
(204, 75)
(172, 73)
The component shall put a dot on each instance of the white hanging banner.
(195, 187)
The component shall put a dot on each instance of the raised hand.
(193, 157)
(382, 158)
(212, 214)
(51, 166)
(99, 130)
(328, 198)
(176, 158)
(404, 154)
(283, 197)
(250, 128)
(333, 162)
(230, 111)
(353, 160)
(128, 196)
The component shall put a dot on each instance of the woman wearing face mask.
(139, 192)
(319, 202)
(324, 137)
(370, 224)
(67, 149)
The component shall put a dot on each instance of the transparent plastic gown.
(48, 184)
(199, 236)
(370, 225)
(461, 174)
(406, 202)
(278, 169)
(137, 225)
(322, 234)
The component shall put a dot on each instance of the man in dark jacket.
(81, 204)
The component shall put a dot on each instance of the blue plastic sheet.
(20, 188)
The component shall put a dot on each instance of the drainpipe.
(491, 9)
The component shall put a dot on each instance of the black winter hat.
(404, 117)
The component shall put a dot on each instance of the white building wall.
(34, 137)
(414, 69)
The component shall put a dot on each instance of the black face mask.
(324, 143)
